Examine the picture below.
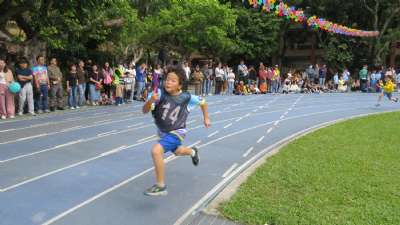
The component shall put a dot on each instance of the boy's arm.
(204, 109)
(147, 106)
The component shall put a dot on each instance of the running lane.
(91, 167)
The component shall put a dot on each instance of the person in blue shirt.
(170, 109)
(140, 80)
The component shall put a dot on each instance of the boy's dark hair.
(179, 71)
(38, 57)
(23, 60)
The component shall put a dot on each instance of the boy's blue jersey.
(171, 112)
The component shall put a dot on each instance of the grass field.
(348, 173)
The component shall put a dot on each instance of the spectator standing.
(82, 77)
(108, 74)
(243, 72)
(140, 81)
(207, 72)
(7, 107)
(42, 85)
(95, 85)
(363, 78)
(219, 75)
(72, 87)
(198, 77)
(25, 77)
(187, 70)
(56, 88)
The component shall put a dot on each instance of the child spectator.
(231, 81)
(72, 87)
(388, 89)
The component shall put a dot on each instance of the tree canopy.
(217, 29)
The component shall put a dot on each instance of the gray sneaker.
(155, 190)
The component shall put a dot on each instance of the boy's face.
(40, 60)
(172, 84)
(23, 65)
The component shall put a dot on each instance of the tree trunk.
(33, 48)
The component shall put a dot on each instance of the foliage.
(257, 34)
(331, 176)
(192, 26)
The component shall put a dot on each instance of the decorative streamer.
(283, 10)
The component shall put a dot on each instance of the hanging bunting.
(283, 10)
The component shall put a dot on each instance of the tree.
(256, 36)
(192, 26)
(67, 25)
(385, 19)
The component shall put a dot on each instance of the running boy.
(171, 109)
(388, 89)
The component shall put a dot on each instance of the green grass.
(348, 173)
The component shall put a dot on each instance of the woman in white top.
(219, 78)
(7, 107)
(130, 81)
(231, 81)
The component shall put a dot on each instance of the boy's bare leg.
(157, 154)
(182, 151)
(192, 152)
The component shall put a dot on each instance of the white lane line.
(134, 125)
(34, 126)
(115, 150)
(282, 117)
(227, 125)
(70, 120)
(269, 130)
(216, 188)
(53, 148)
(195, 144)
(106, 133)
(248, 152)
(71, 128)
(276, 123)
(58, 132)
(239, 119)
(290, 109)
(92, 199)
(171, 158)
(212, 134)
(146, 138)
(190, 122)
(229, 170)
(103, 121)
(69, 211)
(255, 110)
(31, 137)
(268, 123)
(94, 138)
(1, 131)
(260, 139)
(63, 168)
(69, 143)
(286, 113)
(247, 115)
